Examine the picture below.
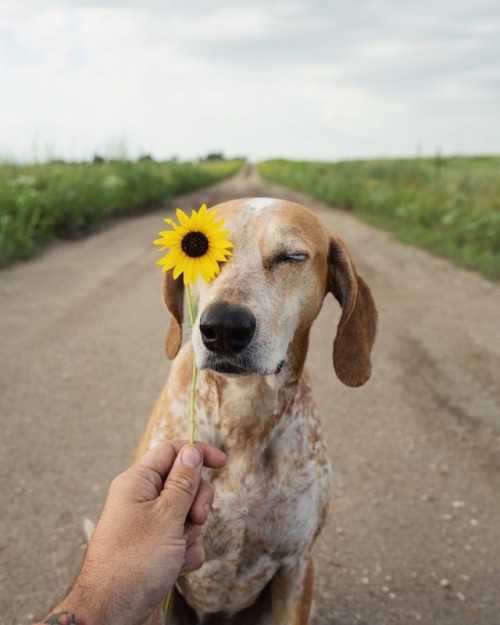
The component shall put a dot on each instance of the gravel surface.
(413, 534)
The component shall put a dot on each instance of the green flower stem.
(192, 419)
(190, 305)
(166, 600)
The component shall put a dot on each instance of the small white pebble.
(365, 580)
(385, 589)
(460, 596)
(458, 504)
(474, 522)
(444, 583)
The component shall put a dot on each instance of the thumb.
(182, 483)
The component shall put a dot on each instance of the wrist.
(81, 606)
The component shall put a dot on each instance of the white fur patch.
(158, 435)
(259, 203)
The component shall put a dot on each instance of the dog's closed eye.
(289, 257)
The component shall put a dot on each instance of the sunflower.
(197, 245)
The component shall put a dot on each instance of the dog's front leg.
(291, 593)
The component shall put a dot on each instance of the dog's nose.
(226, 328)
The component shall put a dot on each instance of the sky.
(301, 79)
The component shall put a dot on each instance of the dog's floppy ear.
(173, 294)
(358, 325)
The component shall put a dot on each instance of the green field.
(41, 203)
(450, 206)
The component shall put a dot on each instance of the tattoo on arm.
(62, 618)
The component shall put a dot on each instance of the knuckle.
(183, 482)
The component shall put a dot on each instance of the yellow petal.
(187, 270)
(215, 256)
(171, 259)
(221, 245)
(179, 268)
(207, 268)
(194, 222)
(169, 239)
(183, 218)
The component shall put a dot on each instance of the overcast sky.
(311, 79)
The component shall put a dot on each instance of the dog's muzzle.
(226, 333)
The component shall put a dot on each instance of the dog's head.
(271, 290)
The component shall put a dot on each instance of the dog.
(251, 333)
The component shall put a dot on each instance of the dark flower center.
(194, 244)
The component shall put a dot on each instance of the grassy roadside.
(450, 206)
(40, 203)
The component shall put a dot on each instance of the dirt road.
(414, 527)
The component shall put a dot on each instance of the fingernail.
(191, 456)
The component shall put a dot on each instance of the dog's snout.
(226, 328)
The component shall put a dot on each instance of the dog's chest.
(268, 507)
(264, 508)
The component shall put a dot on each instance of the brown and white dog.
(252, 329)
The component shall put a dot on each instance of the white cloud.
(311, 79)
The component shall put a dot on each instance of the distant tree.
(214, 156)
(98, 160)
(146, 158)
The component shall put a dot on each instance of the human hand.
(146, 535)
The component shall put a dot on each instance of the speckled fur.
(272, 497)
